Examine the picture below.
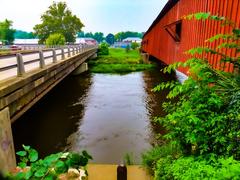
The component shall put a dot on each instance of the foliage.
(6, 32)
(51, 166)
(127, 49)
(118, 61)
(55, 39)
(128, 159)
(24, 35)
(150, 158)
(203, 113)
(98, 36)
(134, 45)
(123, 35)
(58, 19)
(110, 39)
(200, 167)
(103, 49)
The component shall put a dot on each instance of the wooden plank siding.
(159, 44)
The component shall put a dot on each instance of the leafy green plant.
(201, 167)
(128, 159)
(103, 49)
(51, 166)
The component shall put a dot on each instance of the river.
(107, 115)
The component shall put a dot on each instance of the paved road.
(12, 60)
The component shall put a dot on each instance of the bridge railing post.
(54, 56)
(41, 58)
(73, 50)
(20, 65)
(69, 53)
(63, 54)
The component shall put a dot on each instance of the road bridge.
(26, 78)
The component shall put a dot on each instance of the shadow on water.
(108, 115)
(48, 123)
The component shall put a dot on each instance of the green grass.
(119, 61)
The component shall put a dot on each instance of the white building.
(133, 39)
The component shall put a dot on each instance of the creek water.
(107, 115)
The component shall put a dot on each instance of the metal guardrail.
(66, 50)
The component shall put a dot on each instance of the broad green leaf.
(26, 148)
(21, 153)
(33, 155)
(22, 165)
(41, 172)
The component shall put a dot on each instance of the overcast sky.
(107, 16)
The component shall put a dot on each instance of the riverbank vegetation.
(118, 61)
(203, 121)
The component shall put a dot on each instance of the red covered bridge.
(170, 35)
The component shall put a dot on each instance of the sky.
(107, 16)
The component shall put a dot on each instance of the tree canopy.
(123, 35)
(58, 19)
(110, 39)
(24, 35)
(6, 32)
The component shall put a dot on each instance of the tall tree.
(110, 39)
(6, 32)
(98, 36)
(89, 35)
(58, 19)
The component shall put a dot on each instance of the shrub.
(103, 49)
(134, 45)
(188, 168)
(55, 39)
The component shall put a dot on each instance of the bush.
(55, 39)
(188, 168)
(103, 49)
(134, 45)
(150, 158)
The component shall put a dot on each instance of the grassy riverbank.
(119, 61)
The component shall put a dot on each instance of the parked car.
(15, 47)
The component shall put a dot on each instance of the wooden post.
(20, 65)
(54, 56)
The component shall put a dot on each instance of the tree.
(23, 35)
(55, 39)
(58, 19)
(123, 35)
(81, 34)
(98, 36)
(6, 32)
(89, 35)
(110, 39)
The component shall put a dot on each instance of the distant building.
(133, 39)
(89, 41)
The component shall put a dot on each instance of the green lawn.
(119, 61)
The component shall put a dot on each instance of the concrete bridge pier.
(7, 152)
(80, 69)
(145, 57)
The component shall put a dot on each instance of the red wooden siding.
(158, 43)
